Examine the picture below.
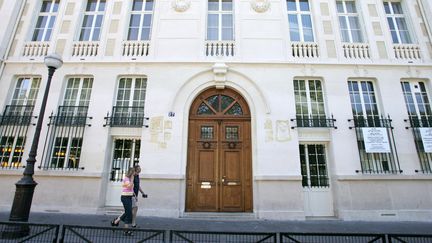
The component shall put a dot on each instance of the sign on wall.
(426, 136)
(376, 140)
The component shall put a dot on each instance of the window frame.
(50, 14)
(299, 13)
(141, 13)
(133, 89)
(220, 12)
(307, 164)
(92, 28)
(309, 102)
(393, 17)
(346, 15)
(427, 105)
(363, 105)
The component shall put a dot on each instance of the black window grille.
(314, 122)
(65, 138)
(126, 116)
(425, 157)
(14, 124)
(125, 155)
(376, 163)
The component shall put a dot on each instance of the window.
(309, 97)
(300, 22)
(349, 21)
(131, 92)
(417, 102)
(129, 107)
(397, 24)
(313, 165)
(92, 22)
(363, 101)
(420, 114)
(367, 120)
(141, 20)
(220, 20)
(125, 155)
(15, 122)
(67, 129)
(26, 91)
(46, 20)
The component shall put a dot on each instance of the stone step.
(111, 210)
(219, 216)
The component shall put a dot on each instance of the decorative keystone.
(260, 6)
(220, 71)
(180, 5)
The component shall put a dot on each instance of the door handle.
(223, 179)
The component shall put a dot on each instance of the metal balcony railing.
(373, 162)
(419, 126)
(14, 124)
(70, 116)
(20, 115)
(314, 122)
(126, 116)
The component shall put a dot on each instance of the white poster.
(426, 136)
(376, 140)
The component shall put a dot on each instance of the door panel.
(219, 168)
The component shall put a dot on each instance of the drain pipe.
(17, 18)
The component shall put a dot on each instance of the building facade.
(274, 109)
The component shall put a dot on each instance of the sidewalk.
(318, 226)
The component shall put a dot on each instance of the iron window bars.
(376, 163)
(425, 158)
(14, 124)
(126, 116)
(65, 138)
(314, 122)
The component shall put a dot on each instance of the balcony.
(421, 129)
(126, 116)
(407, 52)
(135, 48)
(70, 116)
(304, 50)
(314, 122)
(220, 48)
(17, 115)
(85, 49)
(36, 49)
(356, 50)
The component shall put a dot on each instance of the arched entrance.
(219, 169)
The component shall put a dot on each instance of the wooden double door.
(219, 171)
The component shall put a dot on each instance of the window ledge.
(361, 177)
(278, 178)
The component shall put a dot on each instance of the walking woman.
(126, 199)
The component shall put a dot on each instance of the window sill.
(362, 177)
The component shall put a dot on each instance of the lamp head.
(53, 60)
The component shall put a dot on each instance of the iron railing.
(70, 116)
(73, 233)
(126, 116)
(314, 122)
(376, 163)
(204, 237)
(425, 158)
(14, 124)
(17, 115)
(411, 238)
(63, 143)
(331, 237)
(27, 232)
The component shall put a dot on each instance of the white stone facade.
(261, 67)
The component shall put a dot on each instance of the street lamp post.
(25, 187)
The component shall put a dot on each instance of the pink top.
(127, 188)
